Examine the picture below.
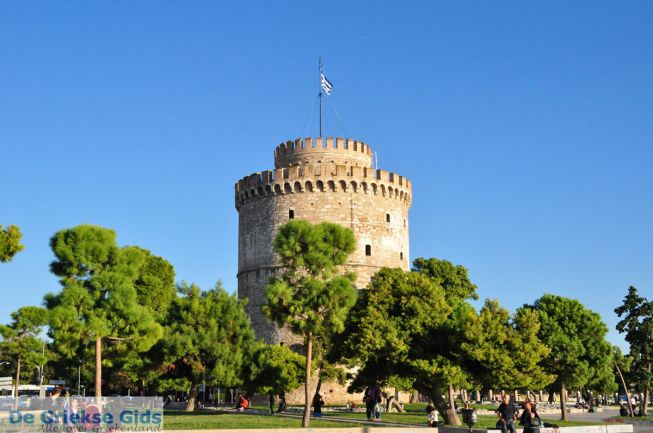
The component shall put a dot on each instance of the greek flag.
(326, 84)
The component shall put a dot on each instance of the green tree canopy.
(207, 339)
(636, 322)
(155, 290)
(10, 242)
(311, 296)
(503, 352)
(20, 339)
(273, 370)
(99, 301)
(580, 355)
(403, 327)
(454, 279)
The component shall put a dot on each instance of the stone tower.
(317, 180)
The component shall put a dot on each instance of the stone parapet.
(302, 151)
(323, 178)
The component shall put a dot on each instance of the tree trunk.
(307, 380)
(623, 383)
(318, 388)
(563, 401)
(388, 401)
(452, 398)
(192, 398)
(98, 371)
(17, 375)
(413, 397)
(282, 402)
(271, 399)
(447, 412)
(647, 389)
(392, 401)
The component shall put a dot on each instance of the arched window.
(368, 250)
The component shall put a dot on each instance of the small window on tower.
(291, 214)
(387, 217)
(368, 250)
(401, 256)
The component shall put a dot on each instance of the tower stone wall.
(319, 180)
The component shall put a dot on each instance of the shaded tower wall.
(319, 180)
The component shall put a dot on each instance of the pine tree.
(311, 296)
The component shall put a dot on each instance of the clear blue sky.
(526, 128)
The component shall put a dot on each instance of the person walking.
(529, 418)
(507, 414)
(318, 402)
(371, 398)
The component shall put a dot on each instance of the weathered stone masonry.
(319, 180)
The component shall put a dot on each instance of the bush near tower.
(312, 296)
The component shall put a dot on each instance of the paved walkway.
(607, 413)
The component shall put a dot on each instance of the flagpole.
(320, 94)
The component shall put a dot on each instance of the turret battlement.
(324, 178)
(303, 151)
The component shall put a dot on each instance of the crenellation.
(282, 180)
(302, 151)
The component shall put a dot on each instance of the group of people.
(623, 408)
(508, 414)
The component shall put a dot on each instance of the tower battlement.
(323, 178)
(302, 151)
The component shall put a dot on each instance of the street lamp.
(79, 378)
(40, 370)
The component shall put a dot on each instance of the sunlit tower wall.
(318, 180)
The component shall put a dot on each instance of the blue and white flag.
(326, 84)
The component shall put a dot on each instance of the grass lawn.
(180, 420)
(415, 415)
